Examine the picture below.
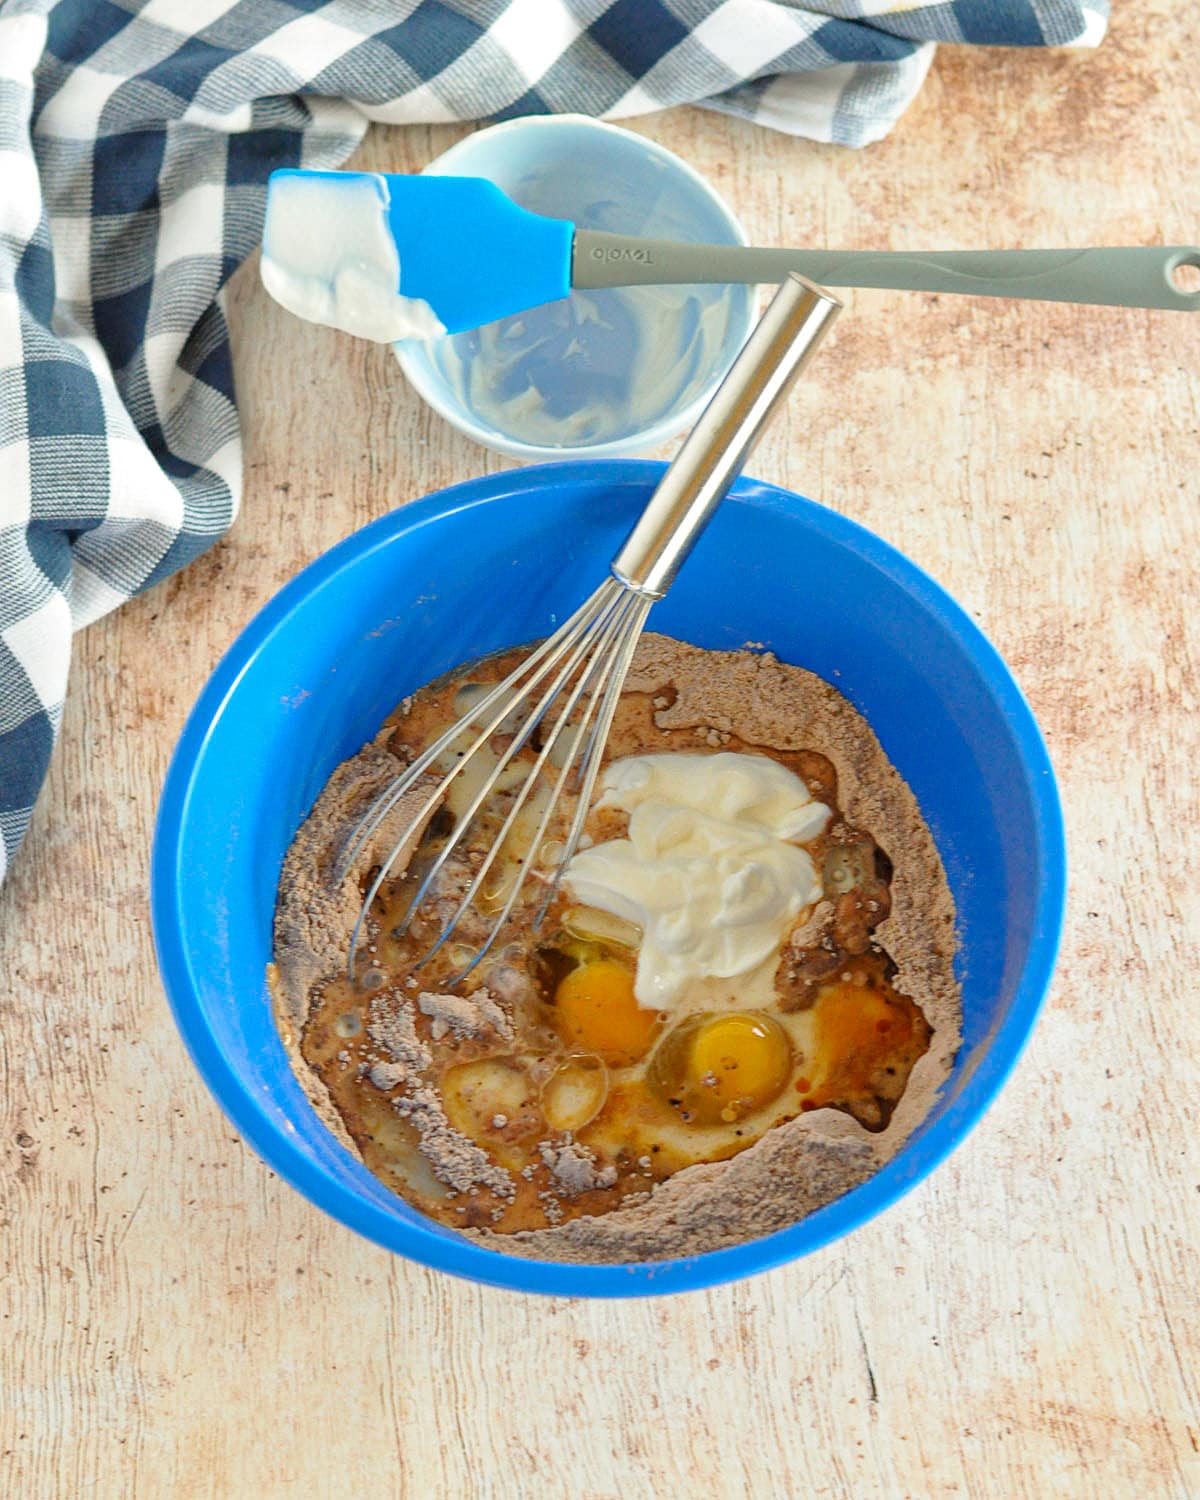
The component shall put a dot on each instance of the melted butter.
(589, 369)
(599, 366)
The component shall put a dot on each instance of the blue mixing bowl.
(499, 561)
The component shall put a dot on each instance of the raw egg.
(490, 1096)
(866, 1042)
(853, 1025)
(597, 1011)
(720, 1068)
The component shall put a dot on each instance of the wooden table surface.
(175, 1321)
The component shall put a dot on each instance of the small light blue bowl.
(650, 357)
(499, 561)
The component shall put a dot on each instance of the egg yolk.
(862, 1037)
(853, 1024)
(722, 1068)
(598, 1011)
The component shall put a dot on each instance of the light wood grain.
(174, 1321)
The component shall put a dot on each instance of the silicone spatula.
(474, 256)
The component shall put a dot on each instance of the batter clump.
(739, 1003)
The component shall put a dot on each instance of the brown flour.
(464, 1015)
(796, 1166)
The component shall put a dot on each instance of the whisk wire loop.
(503, 693)
(520, 739)
(590, 764)
(545, 657)
(600, 671)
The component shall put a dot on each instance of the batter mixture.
(739, 1004)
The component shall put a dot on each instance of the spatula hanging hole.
(1185, 275)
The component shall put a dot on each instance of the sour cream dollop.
(709, 870)
(329, 257)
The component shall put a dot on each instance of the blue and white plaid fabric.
(135, 141)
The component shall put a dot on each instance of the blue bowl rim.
(459, 1256)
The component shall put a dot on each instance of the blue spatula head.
(464, 247)
(471, 252)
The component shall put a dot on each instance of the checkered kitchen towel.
(135, 141)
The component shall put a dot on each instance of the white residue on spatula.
(329, 257)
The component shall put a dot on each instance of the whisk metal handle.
(715, 451)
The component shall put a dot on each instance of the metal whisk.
(569, 685)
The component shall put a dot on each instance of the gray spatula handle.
(1135, 277)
